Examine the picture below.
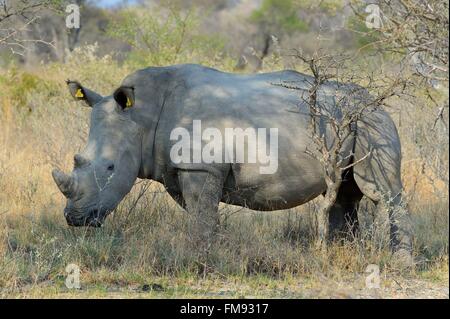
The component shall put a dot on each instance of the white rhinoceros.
(132, 135)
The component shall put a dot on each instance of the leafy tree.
(279, 15)
(164, 36)
(283, 18)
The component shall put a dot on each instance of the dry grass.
(145, 240)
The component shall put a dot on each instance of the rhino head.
(105, 171)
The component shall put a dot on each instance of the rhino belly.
(294, 183)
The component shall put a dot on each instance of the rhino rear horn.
(64, 182)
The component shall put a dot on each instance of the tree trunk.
(323, 215)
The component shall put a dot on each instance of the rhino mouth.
(94, 218)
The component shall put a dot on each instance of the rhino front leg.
(201, 192)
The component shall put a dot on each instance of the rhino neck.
(149, 168)
(155, 86)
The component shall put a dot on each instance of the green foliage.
(279, 14)
(282, 15)
(7, 59)
(85, 65)
(363, 36)
(332, 7)
(18, 86)
(165, 37)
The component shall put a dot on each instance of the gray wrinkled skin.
(106, 169)
(136, 141)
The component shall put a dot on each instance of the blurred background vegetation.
(140, 31)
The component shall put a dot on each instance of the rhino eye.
(110, 167)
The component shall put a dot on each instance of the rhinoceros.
(131, 136)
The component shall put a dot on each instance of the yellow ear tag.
(128, 102)
(79, 93)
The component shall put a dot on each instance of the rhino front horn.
(63, 181)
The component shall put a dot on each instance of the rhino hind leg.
(378, 177)
(390, 207)
(343, 219)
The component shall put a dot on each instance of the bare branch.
(16, 18)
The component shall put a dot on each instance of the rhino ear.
(81, 93)
(124, 96)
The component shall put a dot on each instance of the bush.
(164, 37)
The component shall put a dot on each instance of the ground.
(427, 285)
